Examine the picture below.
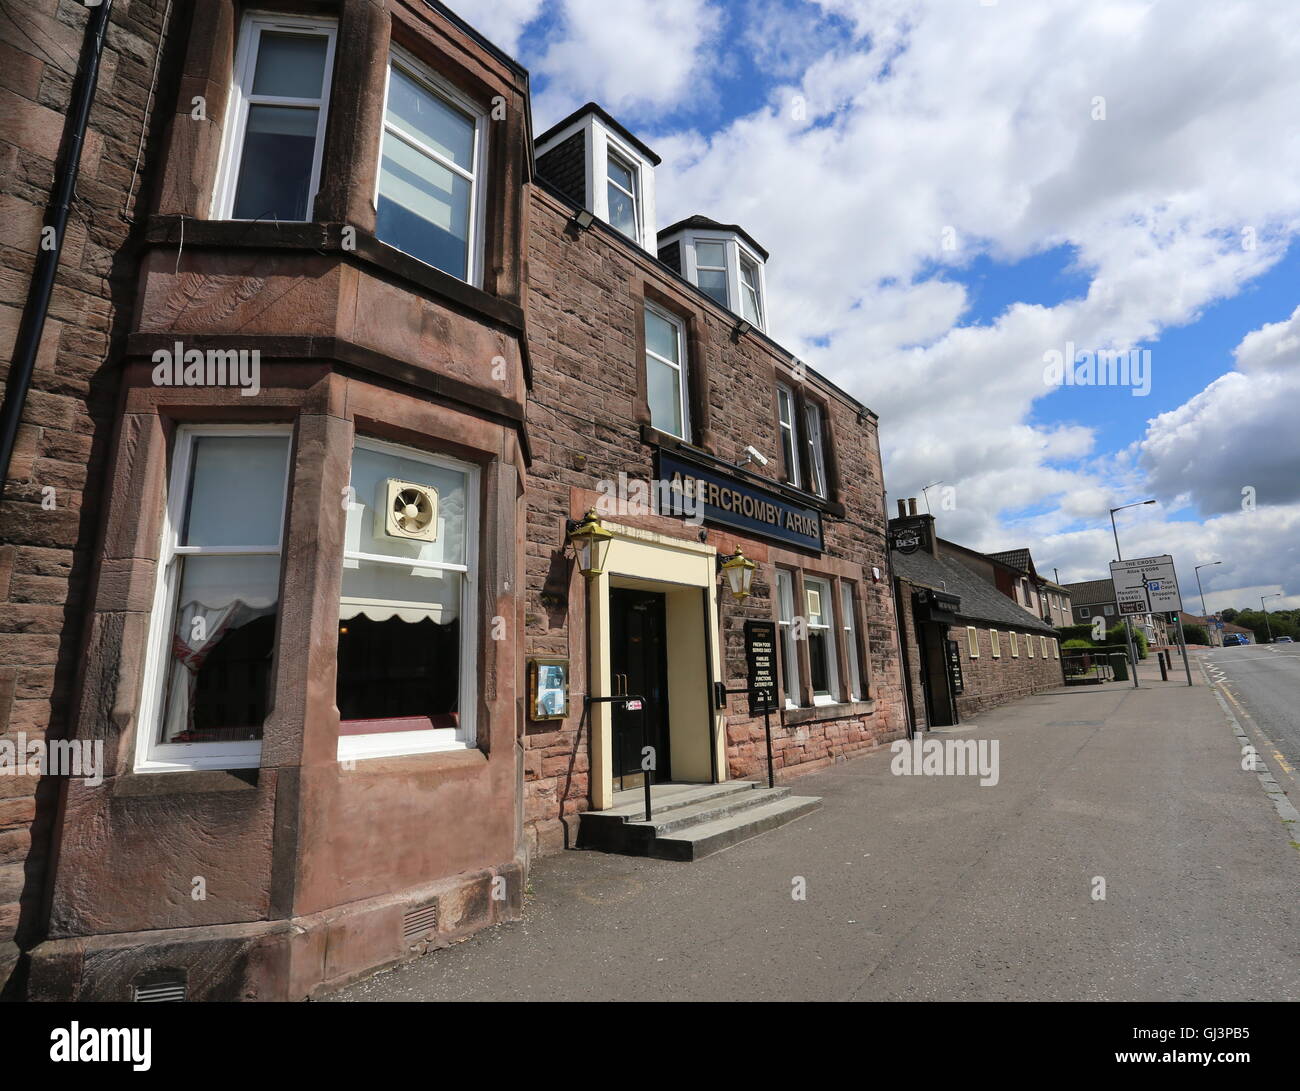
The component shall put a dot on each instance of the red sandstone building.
(336, 363)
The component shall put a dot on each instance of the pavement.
(935, 888)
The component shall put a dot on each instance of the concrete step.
(696, 842)
(629, 804)
(696, 814)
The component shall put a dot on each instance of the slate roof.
(1091, 592)
(980, 601)
(1015, 558)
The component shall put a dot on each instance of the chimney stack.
(911, 505)
(902, 508)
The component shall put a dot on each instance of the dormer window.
(623, 213)
(751, 294)
(596, 163)
(711, 270)
(722, 261)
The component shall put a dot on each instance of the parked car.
(1234, 640)
(1283, 640)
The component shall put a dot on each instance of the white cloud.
(1237, 442)
(981, 120)
(635, 55)
(500, 21)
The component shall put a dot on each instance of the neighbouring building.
(967, 646)
(660, 403)
(1037, 594)
(338, 361)
(1092, 599)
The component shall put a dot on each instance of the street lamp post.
(1128, 624)
(1204, 612)
(1267, 627)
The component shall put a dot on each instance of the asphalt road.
(937, 888)
(1265, 680)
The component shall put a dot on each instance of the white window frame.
(631, 164)
(785, 626)
(1043, 646)
(724, 268)
(824, 586)
(790, 428)
(683, 381)
(1029, 645)
(438, 739)
(816, 441)
(152, 756)
(736, 253)
(995, 642)
(1015, 646)
(972, 642)
(1056, 648)
(760, 308)
(440, 88)
(854, 691)
(1084, 611)
(242, 98)
(1107, 611)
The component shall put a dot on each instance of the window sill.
(145, 782)
(836, 711)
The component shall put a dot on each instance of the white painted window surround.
(739, 258)
(601, 142)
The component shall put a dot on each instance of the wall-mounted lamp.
(739, 571)
(583, 219)
(742, 328)
(590, 543)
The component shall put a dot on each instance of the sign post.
(1150, 585)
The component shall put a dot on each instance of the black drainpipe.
(32, 326)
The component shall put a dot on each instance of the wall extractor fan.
(407, 510)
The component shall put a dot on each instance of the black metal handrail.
(626, 698)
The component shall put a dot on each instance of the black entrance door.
(638, 661)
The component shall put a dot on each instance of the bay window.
(279, 100)
(711, 270)
(429, 196)
(407, 633)
(665, 372)
(212, 636)
(751, 293)
(822, 665)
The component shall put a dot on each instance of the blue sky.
(951, 189)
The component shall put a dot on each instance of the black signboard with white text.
(760, 662)
(954, 668)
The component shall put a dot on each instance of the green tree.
(1195, 634)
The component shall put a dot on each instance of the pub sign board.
(760, 663)
(909, 535)
(741, 505)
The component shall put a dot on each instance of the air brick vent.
(420, 922)
(169, 990)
